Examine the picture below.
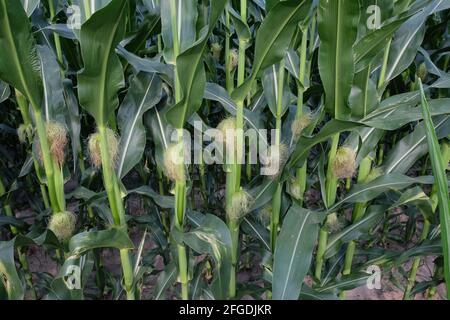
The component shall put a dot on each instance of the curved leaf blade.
(144, 93)
(273, 39)
(338, 26)
(294, 252)
(19, 62)
(440, 175)
(102, 76)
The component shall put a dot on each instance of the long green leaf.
(293, 253)
(397, 116)
(102, 76)
(5, 91)
(338, 25)
(353, 231)
(369, 46)
(305, 143)
(191, 73)
(213, 237)
(365, 192)
(30, 5)
(112, 238)
(273, 39)
(19, 62)
(11, 280)
(413, 146)
(54, 103)
(408, 40)
(144, 93)
(165, 279)
(442, 186)
(186, 17)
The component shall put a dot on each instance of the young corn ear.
(94, 149)
(333, 224)
(57, 140)
(216, 50)
(234, 58)
(344, 164)
(227, 127)
(62, 224)
(295, 190)
(241, 202)
(300, 124)
(173, 163)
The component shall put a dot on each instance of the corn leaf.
(5, 91)
(30, 5)
(413, 146)
(114, 237)
(11, 280)
(306, 143)
(144, 93)
(186, 16)
(273, 39)
(338, 24)
(442, 186)
(293, 252)
(19, 62)
(191, 73)
(102, 76)
(213, 237)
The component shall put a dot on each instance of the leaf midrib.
(350, 229)
(271, 42)
(133, 125)
(337, 59)
(258, 233)
(293, 255)
(105, 66)
(400, 54)
(366, 189)
(410, 150)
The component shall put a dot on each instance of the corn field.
(215, 150)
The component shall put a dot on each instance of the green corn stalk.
(233, 178)
(301, 174)
(276, 201)
(228, 72)
(445, 151)
(180, 186)
(342, 16)
(97, 104)
(358, 213)
(23, 107)
(331, 185)
(23, 76)
(55, 35)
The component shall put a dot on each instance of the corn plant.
(209, 149)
